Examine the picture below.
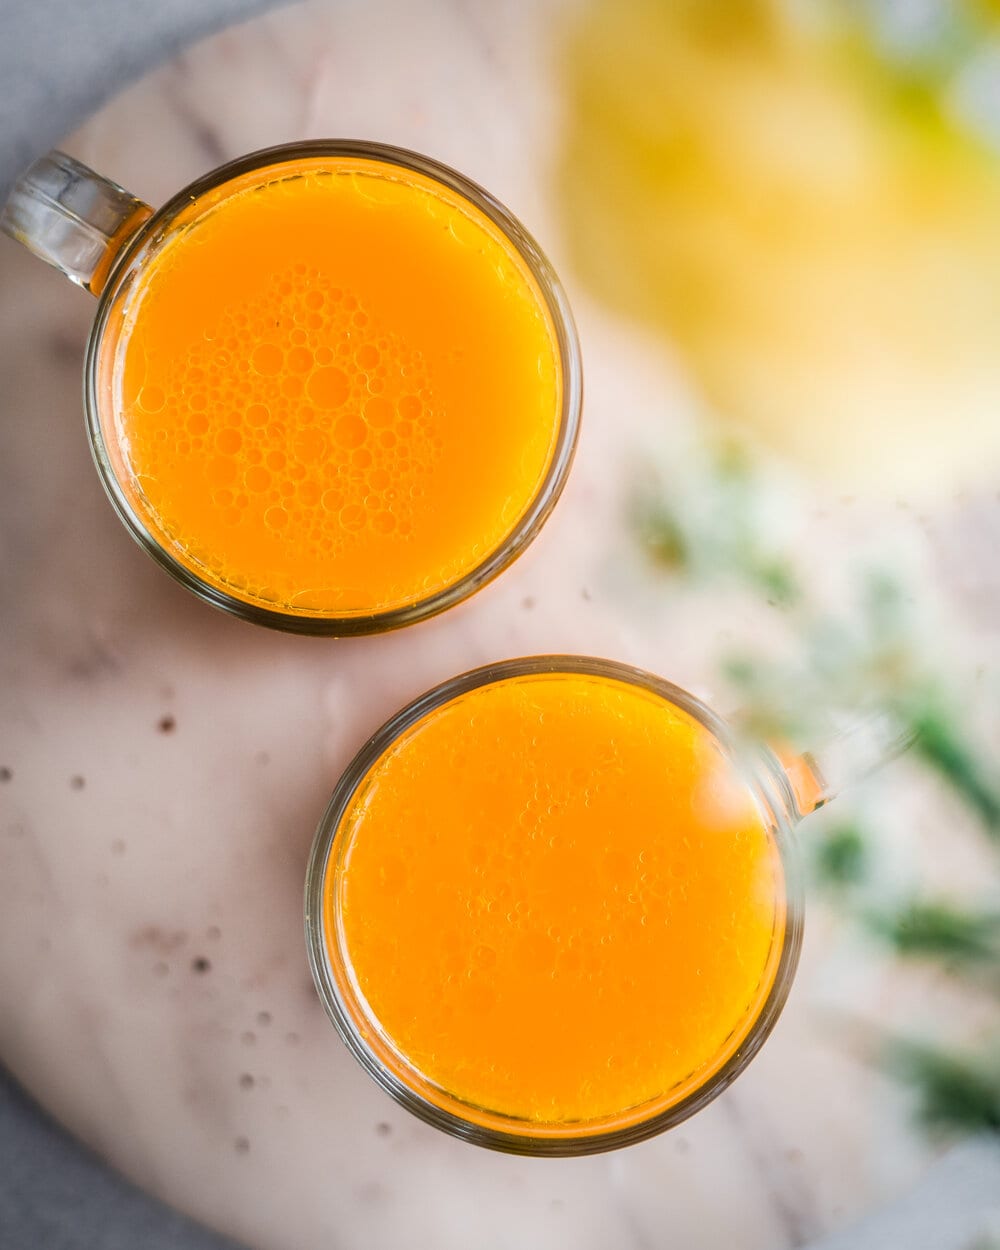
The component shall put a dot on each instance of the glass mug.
(332, 387)
(552, 907)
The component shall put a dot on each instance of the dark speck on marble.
(242, 1145)
(383, 1128)
(201, 965)
(247, 1081)
(77, 782)
(166, 724)
(162, 940)
(263, 1017)
(6, 774)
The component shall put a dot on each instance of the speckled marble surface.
(166, 765)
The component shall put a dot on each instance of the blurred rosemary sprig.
(941, 743)
(958, 1091)
(719, 532)
(943, 930)
(712, 527)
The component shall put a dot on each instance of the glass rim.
(771, 790)
(567, 345)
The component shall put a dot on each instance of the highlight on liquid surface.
(336, 388)
(555, 898)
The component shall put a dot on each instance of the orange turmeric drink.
(333, 389)
(549, 904)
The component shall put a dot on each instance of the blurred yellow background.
(805, 198)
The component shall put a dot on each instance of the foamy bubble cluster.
(302, 415)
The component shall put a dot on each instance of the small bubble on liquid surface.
(333, 500)
(228, 441)
(152, 398)
(299, 359)
(328, 387)
(310, 445)
(266, 358)
(378, 412)
(350, 430)
(409, 407)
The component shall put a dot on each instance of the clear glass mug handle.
(72, 218)
(813, 778)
